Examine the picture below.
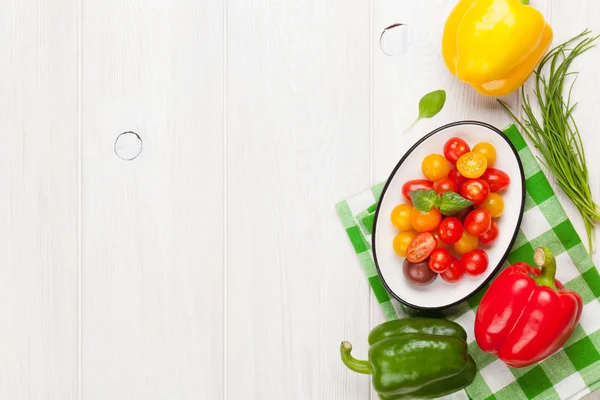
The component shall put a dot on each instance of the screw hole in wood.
(128, 146)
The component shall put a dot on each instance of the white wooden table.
(213, 265)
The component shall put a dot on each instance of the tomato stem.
(544, 259)
(525, 2)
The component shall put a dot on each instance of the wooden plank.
(38, 203)
(298, 142)
(152, 228)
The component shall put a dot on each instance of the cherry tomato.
(476, 190)
(457, 177)
(491, 235)
(445, 185)
(435, 167)
(454, 148)
(418, 273)
(487, 150)
(471, 165)
(494, 204)
(440, 260)
(401, 242)
(497, 179)
(478, 222)
(401, 217)
(440, 243)
(420, 247)
(474, 262)
(450, 230)
(415, 184)
(466, 243)
(425, 222)
(454, 273)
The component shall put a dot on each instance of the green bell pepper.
(415, 358)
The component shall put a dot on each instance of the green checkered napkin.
(569, 374)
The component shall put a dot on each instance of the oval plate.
(441, 294)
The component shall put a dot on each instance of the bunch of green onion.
(557, 136)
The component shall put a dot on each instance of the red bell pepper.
(526, 315)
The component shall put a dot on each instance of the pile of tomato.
(434, 244)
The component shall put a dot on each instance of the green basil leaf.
(452, 203)
(432, 103)
(425, 200)
(429, 105)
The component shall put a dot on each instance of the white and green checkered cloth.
(572, 372)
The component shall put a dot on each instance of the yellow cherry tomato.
(466, 243)
(425, 222)
(435, 167)
(401, 242)
(401, 217)
(472, 165)
(487, 150)
(494, 204)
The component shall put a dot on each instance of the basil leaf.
(429, 105)
(452, 203)
(425, 200)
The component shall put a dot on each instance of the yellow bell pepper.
(494, 45)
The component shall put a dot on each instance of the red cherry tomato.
(445, 185)
(478, 222)
(415, 184)
(450, 230)
(497, 180)
(491, 235)
(440, 260)
(421, 247)
(476, 190)
(474, 262)
(454, 148)
(457, 177)
(454, 273)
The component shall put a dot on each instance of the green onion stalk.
(557, 136)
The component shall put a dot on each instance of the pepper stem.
(360, 366)
(544, 259)
(525, 2)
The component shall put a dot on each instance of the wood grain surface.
(213, 265)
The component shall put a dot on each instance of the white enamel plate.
(441, 294)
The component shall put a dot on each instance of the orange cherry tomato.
(487, 150)
(471, 165)
(494, 204)
(435, 167)
(466, 243)
(425, 222)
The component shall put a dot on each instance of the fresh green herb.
(430, 104)
(425, 200)
(556, 135)
(453, 202)
(449, 203)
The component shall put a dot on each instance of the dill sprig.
(557, 136)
